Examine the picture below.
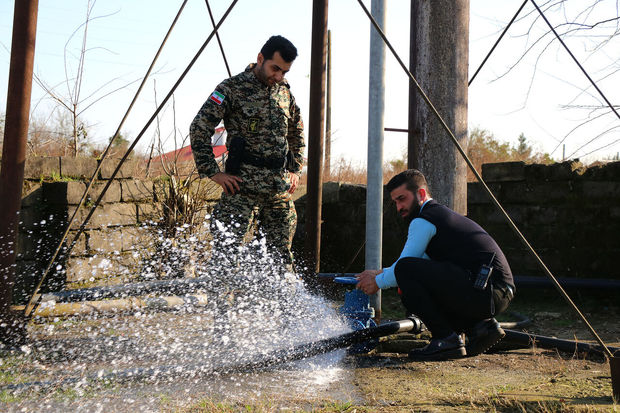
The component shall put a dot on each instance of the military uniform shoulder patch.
(217, 97)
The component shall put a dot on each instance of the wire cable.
(497, 42)
(219, 42)
(32, 302)
(100, 163)
(479, 178)
(575, 60)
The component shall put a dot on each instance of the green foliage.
(119, 141)
(56, 177)
(523, 150)
(484, 147)
(398, 165)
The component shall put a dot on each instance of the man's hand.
(366, 281)
(229, 183)
(294, 178)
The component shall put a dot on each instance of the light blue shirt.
(419, 235)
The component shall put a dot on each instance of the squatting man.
(451, 274)
(265, 144)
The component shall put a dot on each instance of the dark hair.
(412, 177)
(279, 44)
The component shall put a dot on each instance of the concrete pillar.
(441, 35)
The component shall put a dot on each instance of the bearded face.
(413, 210)
(407, 202)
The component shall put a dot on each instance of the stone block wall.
(571, 215)
(568, 213)
(344, 227)
(115, 238)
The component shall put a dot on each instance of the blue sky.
(126, 34)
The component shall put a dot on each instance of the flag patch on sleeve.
(217, 97)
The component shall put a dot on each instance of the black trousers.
(442, 295)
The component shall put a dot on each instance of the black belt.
(268, 163)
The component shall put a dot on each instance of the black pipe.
(521, 322)
(527, 339)
(527, 281)
(185, 285)
(293, 353)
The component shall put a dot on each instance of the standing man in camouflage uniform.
(265, 142)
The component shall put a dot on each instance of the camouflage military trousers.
(276, 218)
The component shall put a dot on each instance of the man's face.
(407, 203)
(271, 71)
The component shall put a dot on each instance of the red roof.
(185, 154)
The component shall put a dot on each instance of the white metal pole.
(374, 194)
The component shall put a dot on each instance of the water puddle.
(152, 360)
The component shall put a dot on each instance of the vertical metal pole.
(328, 108)
(414, 130)
(374, 192)
(563, 152)
(316, 127)
(14, 152)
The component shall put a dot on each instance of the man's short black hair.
(279, 44)
(412, 177)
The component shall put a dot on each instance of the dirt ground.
(531, 380)
(509, 379)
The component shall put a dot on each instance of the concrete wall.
(343, 229)
(115, 239)
(571, 215)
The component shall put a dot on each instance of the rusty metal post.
(316, 120)
(14, 157)
(328, 109)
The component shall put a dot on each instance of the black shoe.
(451, 347)
(483, 336)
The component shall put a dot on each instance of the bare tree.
(68, 94)
(594, 26)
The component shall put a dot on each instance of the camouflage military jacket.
(267, 117)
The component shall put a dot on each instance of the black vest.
(461, 241)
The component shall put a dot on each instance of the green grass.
(263, 406)
(12, 369)
(56, 177)
(9, 397)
